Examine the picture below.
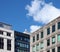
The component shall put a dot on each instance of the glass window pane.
(48, 31)
(41, 34)
(58, 25)
(37, 47)
(58, 37)
(53, 40)
(41, 45)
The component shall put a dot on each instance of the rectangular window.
(53, 50)
(48, 51)
(58, 37)
(53, 28)
(48, 31)
(34, 48)
(8, 44)
(53, 40)
(1, 32)
(48, 42)
(33, 38)
(58, 25)
(8, 34)
(37, 36)
(37, 47)
(41, 34)
(58, 49)
(41, 45)
(1, 43)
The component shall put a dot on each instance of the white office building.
(47, 38)
(6, 38)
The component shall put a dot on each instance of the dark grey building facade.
(22, 42)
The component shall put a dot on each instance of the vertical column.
(5, 43)
(50, 41)
(12, 42)
(55, 49)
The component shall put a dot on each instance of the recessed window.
(58, 25)
(37, 47)
(37, 36)
(53, 50)
(1, 43)
(8, 44)
(48, 31)
(48, 42)
(33, 38)
(58, 49)
(48, 51)
(33, 48)
(41, 45)
(53, 28)
(41, 34)
(58, 37)
(1, 32)
(53, 40)
(8, 34)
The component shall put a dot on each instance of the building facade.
(6, 38)
(22, 42)
(47, 38)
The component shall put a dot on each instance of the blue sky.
(14, 12)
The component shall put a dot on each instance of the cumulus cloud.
(34, 28)
(42, 11)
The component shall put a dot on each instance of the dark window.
(1, 32)
(48, 31)
(33, 38)
(1, 43)
(48, 42)
(37, 36)
(8, 44)
(48, 51)
(53, 40)
(53, 28)
(58, 25)
(53, 50)
(8, 34)
(41, 34)
(58, 49)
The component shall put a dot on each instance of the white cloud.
(42, 11)
(34, 28)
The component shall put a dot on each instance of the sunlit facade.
(47, 38)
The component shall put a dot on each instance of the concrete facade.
(45, 38)
(6, 29)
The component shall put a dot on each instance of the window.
(53, 40)
(53, 50)
(8, 44)
(8, 34)
(58, 37)
(58, 49)
(58, 25)
(48, 42)
(37, 36)
(41, 45)
(37, 47)
(48, 31)
(53, 28)
(48, 51)
(1, 32)
(41, 34)
(33, 38)
(1, 43)
(34, 48)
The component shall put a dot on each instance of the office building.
(22, 42)
(47, 38)
(6, 38)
